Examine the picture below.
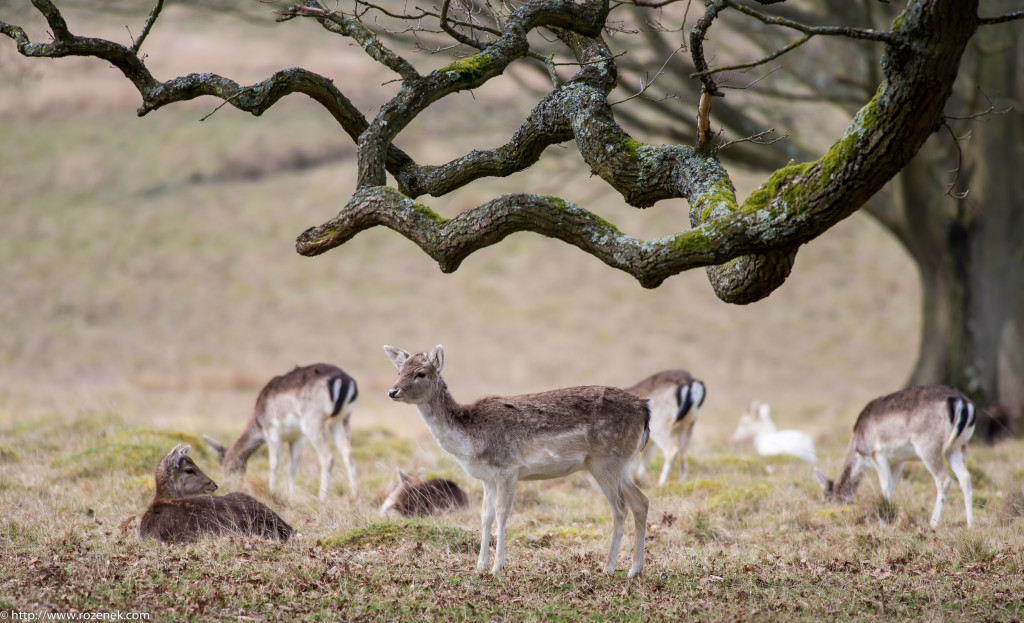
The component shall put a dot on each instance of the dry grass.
(150, 288)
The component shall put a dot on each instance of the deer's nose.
(393, 394)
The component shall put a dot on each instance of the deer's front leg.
(486, 522)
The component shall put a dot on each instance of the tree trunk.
(969, 250)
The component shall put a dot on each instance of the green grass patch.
(385, 534)
(132, 451)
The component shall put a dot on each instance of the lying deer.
(756, 424)
(932, 423)
(676, 398)
(502, 440)
(415, 497)
(312, 402)
(180, 512)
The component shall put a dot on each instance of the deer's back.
(652, 384)
(181, 520)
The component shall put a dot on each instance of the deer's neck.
(850, 476)
(446, 420)
(248, 442)
(162, 492)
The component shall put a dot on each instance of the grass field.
(150, 288)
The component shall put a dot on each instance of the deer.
(181, 512)
(932, 423)
(415, 497)
(756, 424)
(502, 440)
(676, 398)
(311, 402)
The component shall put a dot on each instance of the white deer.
(756, 424)
(502, 440)
(312, 402)
(932, 423)
(676, 398)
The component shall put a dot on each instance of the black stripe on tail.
(686, 400)
(961, 414)
(339, 388)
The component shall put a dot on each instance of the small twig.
(646, 84)
(757, 139)
(762, 61)
(222, 104)
(959, 163)
(999, 19)
(146, 27)
(752, 83)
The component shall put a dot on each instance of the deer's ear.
(184, 451)
(174, 456)
(436, 358)
(823, 481)
(402, 476)
(396, 355)
(764, 411)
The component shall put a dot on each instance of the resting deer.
(756, 424)
(676, 398)
(180, 512)
(502, 440)
(312, 402)
(415, 497)
(932, 423)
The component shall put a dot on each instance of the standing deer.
(676, 398)
(932, 423)
(756, 424)
(311, 402)
(415, 497)
(180, 513)
(502, 440)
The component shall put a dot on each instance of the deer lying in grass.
(932, 423)
(415, 497)
(502, 440)
(311, 402)
(180, 512)
(756, 424)
(676, 398)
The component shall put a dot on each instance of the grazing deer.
(932, 423)
(180, 513)
(756, 424)
(502, 440)
(312, 402)
(415, 497)
(676, 398)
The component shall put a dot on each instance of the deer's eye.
(189, 470)
(421, 375)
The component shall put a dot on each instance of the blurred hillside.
(147, 264)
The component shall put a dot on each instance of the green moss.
(48, 432)
(720, 194)
(566, 534)
(763, 196)
(632, 148)
(703, 486)
(386, 534)
(562, 205)
(427, 212)
(469, 69)
(739, 498)
(132, 451)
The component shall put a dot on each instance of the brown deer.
(180, 513)
(676, 398)
(415, 497)
(312, 402)
(502, 440)
(932, 423)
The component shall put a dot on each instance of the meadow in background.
(150, 289)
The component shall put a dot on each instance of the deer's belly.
(288, 428)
